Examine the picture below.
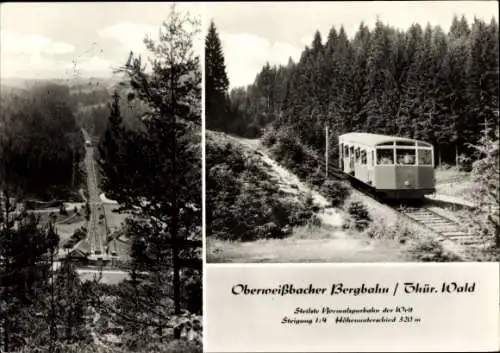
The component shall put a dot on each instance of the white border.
(204, 24)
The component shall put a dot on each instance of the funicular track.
(438, 224)
(420, 212)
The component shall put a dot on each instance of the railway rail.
(442, 226)
(439, 224)
(421, 214)
(95, 239)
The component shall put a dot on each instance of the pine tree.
(485, 172)
(161, 168)
(25, 250)
(109, 145)
(216, 81)
(482, 75)
(381, 82)
(419, 83)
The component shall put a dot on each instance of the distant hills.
(77, 83)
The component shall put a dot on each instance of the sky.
(59, 40)
(253, 33)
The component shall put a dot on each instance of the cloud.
(31, 55)
(15, 43)
(90, 66)
(33, 66)
(245, 54)
(131, 35)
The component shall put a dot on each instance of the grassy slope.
(455, 183)
(327, 242)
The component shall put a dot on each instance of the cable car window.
(385, 156)
(424, 157)
(405, 143)
(424, 144)
(341, 148)
(391, 143)
(363, 157)
(373, 158)
(346, 151)
(405, 156)
(357, 155)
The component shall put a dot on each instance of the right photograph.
(352, 132)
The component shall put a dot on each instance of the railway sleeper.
(445, 226)
(439, 224)
(455, 234)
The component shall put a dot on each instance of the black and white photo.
(101, 177)
(352, 132)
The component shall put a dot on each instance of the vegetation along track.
(419, 212)
(443, 227)
(439, 224)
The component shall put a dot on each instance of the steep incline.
(328, 243)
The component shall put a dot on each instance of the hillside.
(246, 187)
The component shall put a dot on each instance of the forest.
(423, 83)
(147, 135)
(29, 153)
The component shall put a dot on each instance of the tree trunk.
(6, 318)
(175, 215)
(456, 156)
(53, 332)
(439, 156)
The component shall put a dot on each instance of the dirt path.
(328, 243)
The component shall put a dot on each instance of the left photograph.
(101, 177)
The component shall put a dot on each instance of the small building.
(80, 253)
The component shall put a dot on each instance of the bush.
(360, 215)
(62, 210)
(269, 139)
(432, 251)
(303, 213)
(246, 204)
(400, 231)
(183, 346)
(77, 235)
(316, 178)
(336, 192)
(87, 211)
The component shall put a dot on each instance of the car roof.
(367, 139)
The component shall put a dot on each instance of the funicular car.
(394, 167)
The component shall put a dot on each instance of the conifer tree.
(109, 144)
(420, 83)
(485, 172)
(161, 168)
(216, 81)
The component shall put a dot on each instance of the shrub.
(360, 215)
(335, 191)
(87, 211)
(79, 234)
(62, 210)
(316, 178)
(183, 346)
(400, 231)
(432, 251)
(246, 202)
(269, 139)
